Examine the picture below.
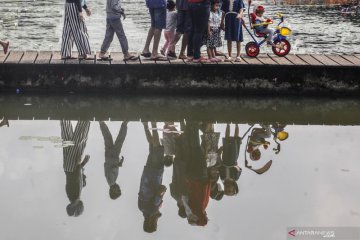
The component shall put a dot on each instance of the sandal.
(146, 55)
(229, 59)
(159, 58)
(6, 48)
(131, 58)
(85, 57)
(238, 59)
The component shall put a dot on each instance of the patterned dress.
(233, 27)
(214, 40)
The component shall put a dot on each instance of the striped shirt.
(72, 154)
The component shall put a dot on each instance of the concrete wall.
(199, 79)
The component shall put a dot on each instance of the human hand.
(122, 13)
(88, 12)
(239, 16)
(222, 26)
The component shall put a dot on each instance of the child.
(169, 33)
(168, 141)
(5, 46)
(113, 25)
(232, 17)
(257, 139)
(213, 39)
(230, 171)
(260, 27)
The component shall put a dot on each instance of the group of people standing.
(198, 22)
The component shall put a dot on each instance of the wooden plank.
(3, 57)
(146, 61)
(117, 58)
(88, 61)
(56, 58)
(29, 57)
(340, 60)
(353, 59)
(265, 59)
(310, 59)
(177, 61)
(281, 60)
(325, 60)
(74, 59)
(134, 62)
(253, 61)
(296, 60)
(43, 57)
(14, 57)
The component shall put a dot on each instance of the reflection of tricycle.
(281, 46)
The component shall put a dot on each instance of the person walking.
(114, 11)
(112, 159)
(75, 30)
(199, 14)
(170, 30)
(73, 165)
(157, 10)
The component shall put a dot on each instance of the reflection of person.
(198, 183)
(230, 171)
(4, 122)
(168, 141)
(178, 183)
(257, 139)
(112, 157)
(151, 189)
(75, 30)
(73, 165)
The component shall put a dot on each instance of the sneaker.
(171, 54)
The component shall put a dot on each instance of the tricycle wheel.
(281, 48)
(252, 49)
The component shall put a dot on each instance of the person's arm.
(116, 6)
(78, 5)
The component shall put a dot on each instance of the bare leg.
(209, 53)
(236, 130)
(175, 41)
(155, 135)
(238, 48)
(148, 40)
(184, 43)
(229, 47)
(157, 36)
(227, 132)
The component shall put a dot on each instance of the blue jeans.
(158, 17)
(199, 14)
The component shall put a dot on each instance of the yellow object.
(282, 135)
(285, 31)
(279, 15)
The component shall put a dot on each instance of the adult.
(75, 30)
(151, 190)
(199, 13)
(114, 11)
(112, 157)
(183, 28)
(5, 46)
(157, 10)
(73, 164)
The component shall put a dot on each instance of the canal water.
(308, 179)
(37, 25)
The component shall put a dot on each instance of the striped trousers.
(74, 31)
(72, 154)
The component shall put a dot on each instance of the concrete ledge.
(183, 78)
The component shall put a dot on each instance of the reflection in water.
(210, 168)
(73, 163)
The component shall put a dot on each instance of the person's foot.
(200, 60)
(6, 47)
(158, 57)
(146, 54)
(229, 59)
(162, 51)
(182, 56)
(85, 57)
(237, 59)
(171, 54)
(4, 122)
(103, 56)
(130, 58)
(213, 60)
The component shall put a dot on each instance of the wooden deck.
(46, 57)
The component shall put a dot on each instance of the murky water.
(312, 179)
(35, 25)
